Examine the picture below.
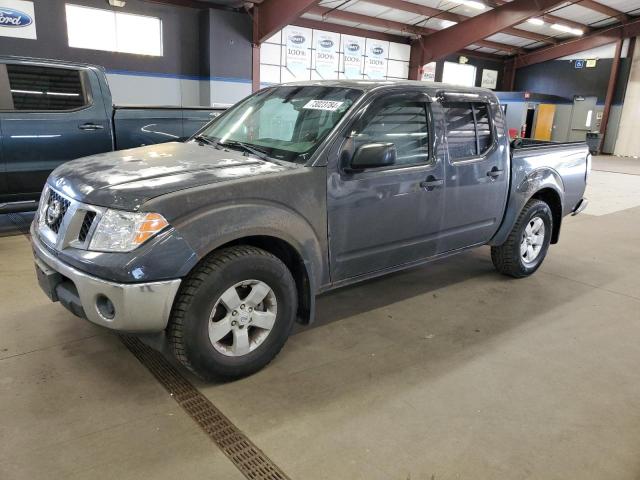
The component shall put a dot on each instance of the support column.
(415, 60)
(255, 67)
(255, 50)
(508, 84)
(611, 88)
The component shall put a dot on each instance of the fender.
(207, 230)
(522, 190)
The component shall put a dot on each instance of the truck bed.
(136, 126)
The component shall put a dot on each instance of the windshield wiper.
(246, 147)
(206, 140)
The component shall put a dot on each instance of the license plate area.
(48, 280)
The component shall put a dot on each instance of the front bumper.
(131, 307)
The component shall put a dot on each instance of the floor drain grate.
(18, 223)
(248, 458)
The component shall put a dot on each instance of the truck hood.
(128, 178)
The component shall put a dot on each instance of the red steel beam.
(604, 9)
(255, 67)
(272, 15)
(597, 38)
(454, 17)
(611, 88)
(452, 39)
(346, 30)
(403, 27)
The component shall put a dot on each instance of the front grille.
(86, 225)
(56, 221)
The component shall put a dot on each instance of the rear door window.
(39, 88)
(469, 132)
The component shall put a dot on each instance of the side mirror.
(374, 155)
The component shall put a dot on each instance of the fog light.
(105, 307)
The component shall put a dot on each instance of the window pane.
(286, 122)
(403, 124)
(138, 34)
(277, 121)
(483, 126)
(99, 29)
(91, 28)
(459, 74)
(461, 135)
(45, 88)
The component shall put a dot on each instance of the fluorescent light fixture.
(60, 94)
(567, 29)
(27, 92)
(447, 23)
(535, 21)
(471, 4)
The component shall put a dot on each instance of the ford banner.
(17, 19)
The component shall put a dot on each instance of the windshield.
(285, 123)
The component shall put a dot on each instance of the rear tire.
(526, 246)
(233, 313)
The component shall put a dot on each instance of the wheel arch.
(544, 184)
(294, 261)
(552, 198)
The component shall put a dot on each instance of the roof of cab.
(431, 88)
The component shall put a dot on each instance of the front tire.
(233, 313)
(526, 246)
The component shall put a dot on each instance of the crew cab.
(53, 111)
(224, 241)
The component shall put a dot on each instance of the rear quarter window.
(41, 88)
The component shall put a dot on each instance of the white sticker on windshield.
(329, 105)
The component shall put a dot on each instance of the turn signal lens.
(152, 224)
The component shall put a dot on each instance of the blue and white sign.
(579, 64)
(353, 50)
(375, 66)
(17, 19)
(326, 54)
(298, 57)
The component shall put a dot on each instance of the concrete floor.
(442, 372)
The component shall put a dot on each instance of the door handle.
(494, 172)
(90, 127)
(431, 182)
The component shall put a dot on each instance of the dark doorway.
(529, 122)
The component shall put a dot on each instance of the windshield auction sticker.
(329, 105)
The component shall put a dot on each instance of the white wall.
(628, 142)
(149, 90)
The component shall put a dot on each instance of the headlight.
(42, 207)
(123, 231)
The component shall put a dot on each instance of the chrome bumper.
(137, 307)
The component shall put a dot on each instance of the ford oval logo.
(353, 47)
(326, 43)
(377, 50)
(297, 39)
(10, 17)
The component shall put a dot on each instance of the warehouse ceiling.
(405, 17)
(507, 28)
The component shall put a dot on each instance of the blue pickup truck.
(52, 112)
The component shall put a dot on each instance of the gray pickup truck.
(224, 241)
(52, 112)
